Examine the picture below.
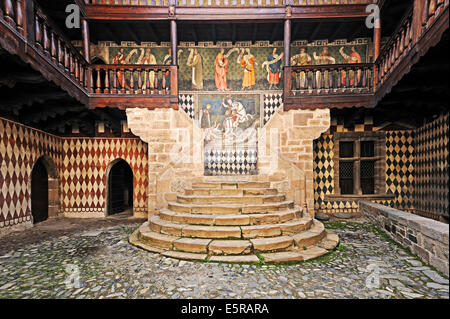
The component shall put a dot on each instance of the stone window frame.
(379, 139)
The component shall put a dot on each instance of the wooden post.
(173, 41)
(85, 35)
(287, 57)
(376, 49)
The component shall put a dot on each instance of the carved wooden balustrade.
(13, 12)
(54, 45)
(395, 50)
(431, 11)
(133, 85)
(229, 3)
(331, 79)
(133, 79)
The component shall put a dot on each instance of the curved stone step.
(156, 239)
(230, 192)
(231, 185)
(311, 236)
(159, 225)
(192, 245)
(294, 255)
(209, 200)
(296, 226)
(230, 247)
(330, 241)
(272, 243)
(312, 252)
(184, 255)
(222, 209)
(229, 220)
(222, 232)
(235, 259)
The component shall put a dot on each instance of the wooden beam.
(173, 41)
(85, 36)
(287, 43)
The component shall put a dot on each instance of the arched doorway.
(39, 192)
(120, 188)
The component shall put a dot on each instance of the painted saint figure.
(236, 114)
(273, 68)
(221, 69)
(205, 117)
(120, 58)
(195, 61)
(248, 62)
(354, 57)
(300, 59)
(323, 58)
(148, 58)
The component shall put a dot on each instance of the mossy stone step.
(230, 220)
(271, 243)
(282, 257)
(229, 209)
(231, 185)
(235, 259)
(156, 239)
(311, 236)
(330, 241)
(230, 247)
(230, 192)
(184, 255)
(214, 199)
(192, 245)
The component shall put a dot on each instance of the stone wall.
(176, 158)
(428, 239)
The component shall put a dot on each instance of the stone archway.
(44, 190)
(120, 188)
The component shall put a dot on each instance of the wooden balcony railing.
(52, 43)
(134, 79)
(431, 10)
(161, 3)
(228, 3)
(394, 50)
(13, 12)
(331, 79)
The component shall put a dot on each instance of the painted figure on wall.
(147, 57)
(236, 114)
(248, 62)
(196, 62)
(303, 58)
(221, 70)
(273, 68)
(323, 58)
(120, 58)
(354, 57)
(205, 117)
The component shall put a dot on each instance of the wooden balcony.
(333, 85)
(123, 86)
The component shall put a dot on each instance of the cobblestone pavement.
(109, 267)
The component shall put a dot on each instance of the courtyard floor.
(79, 258)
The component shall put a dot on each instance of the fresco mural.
(228, 67)
(231, 89)
(229, 124)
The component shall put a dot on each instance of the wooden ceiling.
(154, 31)
(419, 97)
(28, 98)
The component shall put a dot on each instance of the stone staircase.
(241, 222)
